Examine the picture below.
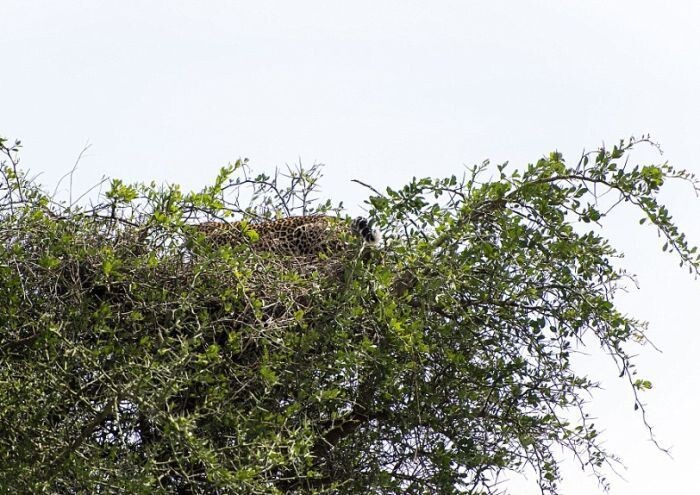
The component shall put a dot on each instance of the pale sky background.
(382, 91)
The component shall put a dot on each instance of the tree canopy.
(136, 357)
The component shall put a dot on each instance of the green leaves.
(121, 193)
(653, 176)
(640, 384)
(138, 355)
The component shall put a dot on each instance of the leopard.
(298, 236)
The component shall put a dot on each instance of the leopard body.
(293, 236)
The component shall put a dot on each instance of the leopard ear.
(362, 227)
(375, 235)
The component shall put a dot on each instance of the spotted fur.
(293, 236)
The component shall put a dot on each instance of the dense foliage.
(137, 358)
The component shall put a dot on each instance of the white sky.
(381, 91)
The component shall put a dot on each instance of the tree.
(138, 358)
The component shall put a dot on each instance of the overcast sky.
(382, 91)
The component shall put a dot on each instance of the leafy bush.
(138, 358)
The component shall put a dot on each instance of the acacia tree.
(135, 357)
